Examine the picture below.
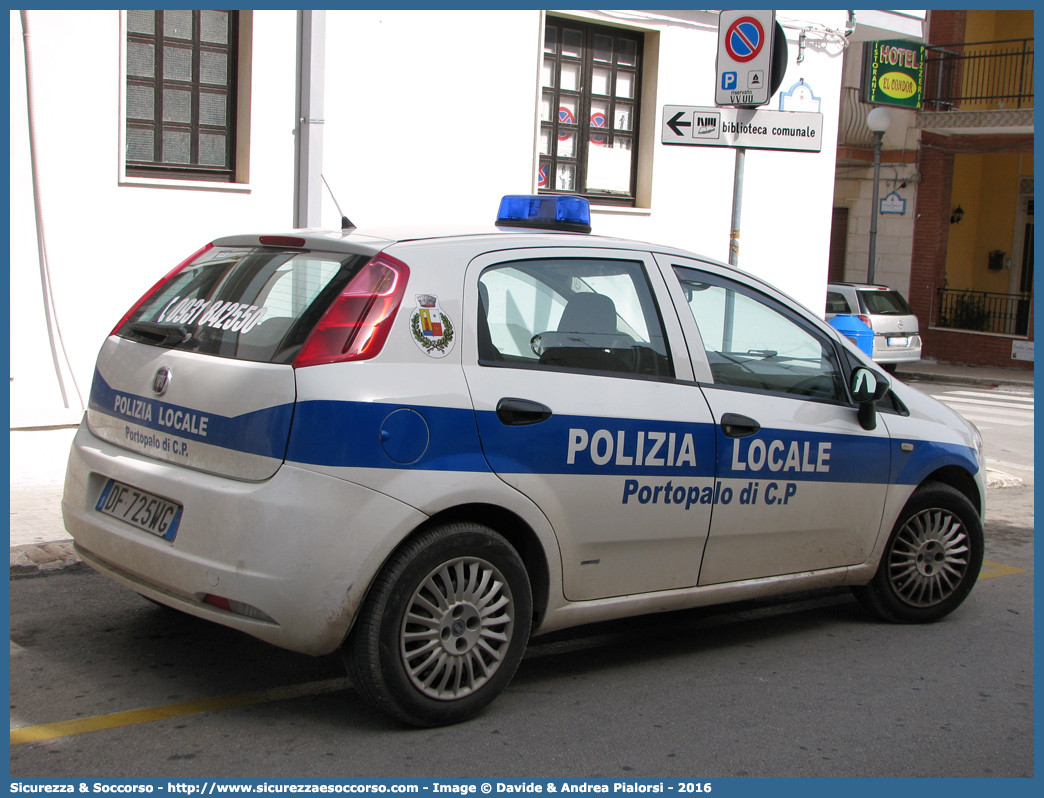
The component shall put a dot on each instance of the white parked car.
(425, 446)
(896, 331)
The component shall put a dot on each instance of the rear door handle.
(736, 426)
(519, 412)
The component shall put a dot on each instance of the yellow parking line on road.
(992, 569)
(67, 728)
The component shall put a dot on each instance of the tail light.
(866, 321)
(157, 286)
(357, 324)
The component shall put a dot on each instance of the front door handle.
(519, 412)
(736, 426)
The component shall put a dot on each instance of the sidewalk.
(39, 542)
(930, 371)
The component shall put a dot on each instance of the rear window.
(836, 303)
(255, 304)
(885, 303)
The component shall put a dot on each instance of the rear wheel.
(931, 561)
(889, 367)
(444, 627)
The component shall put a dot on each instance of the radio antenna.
(345, 223)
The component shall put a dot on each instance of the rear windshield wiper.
(162, 334)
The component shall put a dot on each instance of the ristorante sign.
(893, 73)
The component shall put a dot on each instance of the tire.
(931, 561)
(889, 367)
(426, 647)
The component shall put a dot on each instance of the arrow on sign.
(674, 124)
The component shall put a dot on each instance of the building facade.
(962, 165)
(138, 136)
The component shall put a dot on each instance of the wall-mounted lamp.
(958, 214)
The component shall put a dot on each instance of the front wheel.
(931, 561)
(444, 627)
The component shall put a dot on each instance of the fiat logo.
(161, 381)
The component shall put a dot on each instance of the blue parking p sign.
(728, 81)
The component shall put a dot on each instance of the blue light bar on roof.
(545, 211)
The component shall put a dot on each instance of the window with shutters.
(181, 94)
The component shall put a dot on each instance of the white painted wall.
(894, 247)
(787, 196)
(431, 116)
(107, 243)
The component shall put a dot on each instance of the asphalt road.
(807, 686)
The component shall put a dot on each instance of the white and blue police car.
(424, 446)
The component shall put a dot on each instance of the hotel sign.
(893, 73)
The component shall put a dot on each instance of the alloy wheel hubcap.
(457, 628)
(929, 558)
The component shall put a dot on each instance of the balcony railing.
(979, 76)
(981, 311)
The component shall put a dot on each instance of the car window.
(836, 303)
(242, 303)
(752, 342)
(294, 285)
(888, 303)
(571, 313)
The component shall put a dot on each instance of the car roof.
(861, 286)
(375, 239)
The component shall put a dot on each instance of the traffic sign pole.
(737, 207)
(745, 70)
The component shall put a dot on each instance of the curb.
(998, 479)
(960, 379)
(35, 559)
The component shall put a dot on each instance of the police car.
(423, 447)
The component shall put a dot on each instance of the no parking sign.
(744, 63)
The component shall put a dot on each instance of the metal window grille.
(181, 94)
(589, 111)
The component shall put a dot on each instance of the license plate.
(899, 341)
(139, 508)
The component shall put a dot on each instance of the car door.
(800, 484)
(585, 403)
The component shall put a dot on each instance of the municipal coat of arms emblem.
(431, 328)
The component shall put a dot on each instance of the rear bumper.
(301, 547)
(896, 354)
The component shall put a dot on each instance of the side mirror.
(867, 390)
(865, 386)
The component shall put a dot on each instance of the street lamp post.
(877, 120)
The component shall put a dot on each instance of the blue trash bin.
(855, 330)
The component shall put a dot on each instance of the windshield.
(243, 303)
(886, 303)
